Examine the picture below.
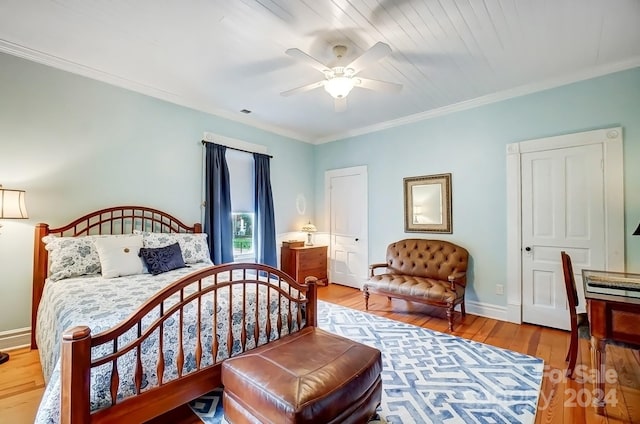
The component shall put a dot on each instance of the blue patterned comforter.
(101, 303)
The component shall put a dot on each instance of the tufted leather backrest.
(435, 259)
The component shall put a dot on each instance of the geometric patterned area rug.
(429, 377)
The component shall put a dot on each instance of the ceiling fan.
(339, 80)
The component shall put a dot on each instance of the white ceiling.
(221, 56)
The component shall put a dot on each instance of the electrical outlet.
(499, 289)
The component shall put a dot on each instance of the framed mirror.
(427, 204)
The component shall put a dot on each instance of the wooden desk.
(613, 305)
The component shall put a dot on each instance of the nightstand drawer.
(319, 273)
(312, 261)
(310, 253)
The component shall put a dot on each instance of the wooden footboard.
(199, 293)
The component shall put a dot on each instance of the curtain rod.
(235, 148)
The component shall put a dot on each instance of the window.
(241, 177)
(242, 187)
(243, 236)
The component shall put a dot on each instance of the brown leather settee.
(426, 271)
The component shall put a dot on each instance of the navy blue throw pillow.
(162, 259)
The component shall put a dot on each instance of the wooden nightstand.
(303, 261)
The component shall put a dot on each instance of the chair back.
(436, 259)
(569, 283)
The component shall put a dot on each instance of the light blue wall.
(471, 145)
(77, 145)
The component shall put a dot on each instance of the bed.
(130, 348)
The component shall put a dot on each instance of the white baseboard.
(514, 313)
(486, 310)
(20, 337)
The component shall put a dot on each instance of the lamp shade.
(637, 231)
(309, 228)
(12, 204)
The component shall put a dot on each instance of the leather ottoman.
(311, 376)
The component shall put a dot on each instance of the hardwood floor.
(21, 386)
(561, 400)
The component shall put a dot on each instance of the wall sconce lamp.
(309, 228)
(637, 231)
(12, 206)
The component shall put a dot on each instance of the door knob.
(357, 239)
(528, 249)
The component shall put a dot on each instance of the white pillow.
(194, 246)
(119, 255)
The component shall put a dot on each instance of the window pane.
(243, 235)
(241, 179)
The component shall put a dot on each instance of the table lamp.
(11, 207)
(309, 228)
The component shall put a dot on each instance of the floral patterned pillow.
(194, 246)
(71, 257)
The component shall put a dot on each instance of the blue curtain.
(218, 223)
(265, 217)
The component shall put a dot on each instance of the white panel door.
(562, 209)
(348, 246)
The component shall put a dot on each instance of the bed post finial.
(312, 295)
(75, 375)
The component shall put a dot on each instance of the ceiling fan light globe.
(338, 87)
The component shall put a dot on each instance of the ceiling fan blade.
(340, 104)
(302, 56)
(303, 89)
(375, 53)
(371, 84)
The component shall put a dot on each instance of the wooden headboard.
(115, 220)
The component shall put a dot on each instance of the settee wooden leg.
(366, 299)
(462, 308)
(450, 317)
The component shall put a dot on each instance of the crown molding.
(138, 87)
(593, 72)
